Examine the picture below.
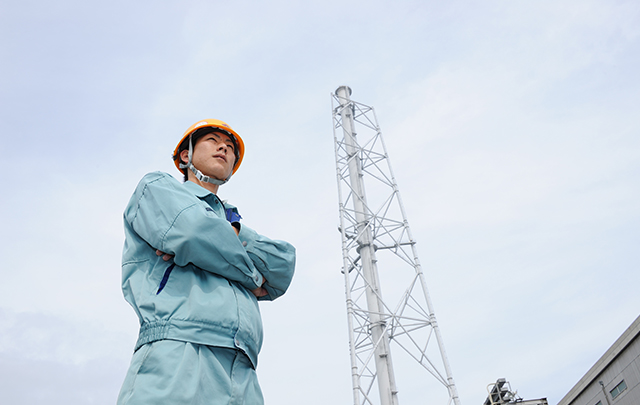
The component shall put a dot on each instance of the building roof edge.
(623, 341)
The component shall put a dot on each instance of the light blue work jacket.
(203, 294)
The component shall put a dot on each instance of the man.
(193, 275)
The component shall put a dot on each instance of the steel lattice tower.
(378, 250)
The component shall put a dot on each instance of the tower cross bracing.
(378, 251)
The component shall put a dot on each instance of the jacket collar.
(197, 190)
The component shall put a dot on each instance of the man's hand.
(165, 256)
(260, 291)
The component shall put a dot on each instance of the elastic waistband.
(203, 333)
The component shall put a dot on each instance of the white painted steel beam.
(377, 250)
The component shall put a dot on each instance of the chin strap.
(198, 173)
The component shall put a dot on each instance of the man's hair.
(195, 136)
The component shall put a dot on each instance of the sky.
(512, 129)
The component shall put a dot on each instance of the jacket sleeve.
(172, 220)
(274, 259)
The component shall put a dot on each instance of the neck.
(209, 186)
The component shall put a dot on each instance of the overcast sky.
(512, 128)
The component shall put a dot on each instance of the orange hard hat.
(224, 128)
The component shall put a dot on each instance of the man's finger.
(259, 292)
(165, 256)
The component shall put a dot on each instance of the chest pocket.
(212, 206)
(210, 211)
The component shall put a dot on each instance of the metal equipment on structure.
(500, 393)
(378, 250)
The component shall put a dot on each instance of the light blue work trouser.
(174, 372)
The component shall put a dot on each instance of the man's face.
(213, 155)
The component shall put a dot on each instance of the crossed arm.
(168, 217)
(258, 292)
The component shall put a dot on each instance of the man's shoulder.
(161, 186)
(158, 177)
(158, 191)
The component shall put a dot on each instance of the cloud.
(58, 360)
(510, 128)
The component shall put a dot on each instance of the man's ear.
(184, 156)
